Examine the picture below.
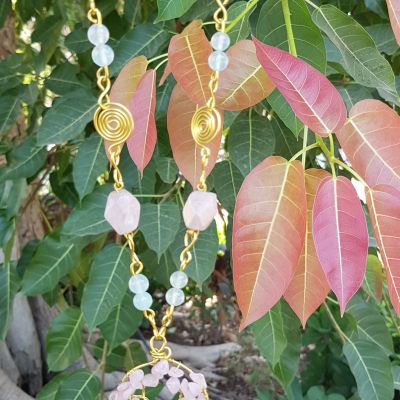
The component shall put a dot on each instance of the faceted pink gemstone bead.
(150, 380)
(160, 369)
(122, 211)
(199, 379)
(175, 372)
(200, 210)
(173, 385)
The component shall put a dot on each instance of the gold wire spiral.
(113, 122)
(206, 123)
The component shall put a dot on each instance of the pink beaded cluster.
(192, 389)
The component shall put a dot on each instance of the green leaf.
(242, 29)
(88, 218)
(10, 108)
(271, 29)
(282, 108)
(227, 182)
(48, 32)
(286, 368)
(371, 326)
(11, 74)
(64, 339)
(134, 356)
(167, 169)
(159, 224)
(371, 369)
(378, 7)
(9, 285)
(396, 376)
(373, 281)
(383, 37)
(64, 79)
(67, 118)
(360, 55)
(77, 41)
(51, 262)
(122, 322)
(80, 385)
(162, 270)
(90, 162)
(251, 139)
(286, 144)
(145, 39)
(49, 391)
(107, 284)
(204, 253)
(170, 9)
(269, 334)
(353, 93)
(25, 160)
(201, 9)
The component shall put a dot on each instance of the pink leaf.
(340, 237)
(142, 142)
(384, 208)
(314, 99)
(309, 287)
(394, 14)
(244, 83)
(268, 234)
(371, 141)
(188, 61)
(187, 153)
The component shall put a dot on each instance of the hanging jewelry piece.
(114, 123)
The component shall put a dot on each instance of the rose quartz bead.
(122, 211)
(200, 210)
(199, 379)
(160, 369)
(173, 385)
(150, 380)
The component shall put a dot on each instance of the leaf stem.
(160, 63)
(304, 150)
(157, 58)
(312, 4)
(329, 156)
(289, 29)
(339, 331)
(305, 137)
(103, 367)
(389, 310)
(249, 6)
(349, 169)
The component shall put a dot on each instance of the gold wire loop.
(221, 15)
(206, 123)
(114, 123)
(185, 257)
(94, 15)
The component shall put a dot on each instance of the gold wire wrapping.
(206, 123)
(113, 122)
(151, 363)
(221, 15)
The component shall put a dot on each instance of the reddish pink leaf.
(188, 60)
(268, 234)
(187, 153)
(124, 86)
(371, 141)
(314, 99)
(394, 14)
(244, 83)
(384, 208)
(143, 105)
(165, 75)
(340, 237)
(309, 287)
